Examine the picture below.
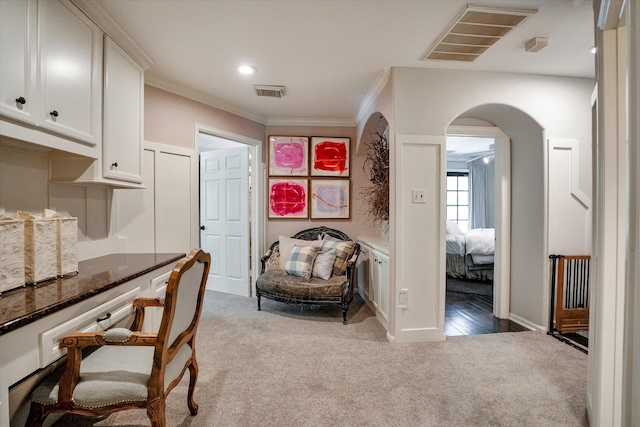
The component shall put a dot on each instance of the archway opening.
(520, 264)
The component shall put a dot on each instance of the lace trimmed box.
(11, 254)
(40, 250)
(67, 245)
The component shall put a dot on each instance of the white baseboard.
(526, 323)
(420, 335)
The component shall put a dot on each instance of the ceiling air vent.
(474, 31)
(272, 91)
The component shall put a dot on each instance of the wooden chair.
(132, 369)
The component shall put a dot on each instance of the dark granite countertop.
(22, 306)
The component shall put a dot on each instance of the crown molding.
(195, 95)
(373, 93)
(310, 122)
(102, 19)
(211, 101)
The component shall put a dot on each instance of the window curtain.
(482, 193)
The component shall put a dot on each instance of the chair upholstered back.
(182, 308)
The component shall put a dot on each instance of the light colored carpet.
(292, 366)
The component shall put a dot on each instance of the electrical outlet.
(403, 298)
(418, 196)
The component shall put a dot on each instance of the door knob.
(202, 227)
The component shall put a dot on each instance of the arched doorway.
(501, 201)
(521, 194)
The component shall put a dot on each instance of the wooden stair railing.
(571, 274)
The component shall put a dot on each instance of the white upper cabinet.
(123, 110)
(70, 84)
(51, 73)
(18, 41)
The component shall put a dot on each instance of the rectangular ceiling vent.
(268, 90)
(474, 31)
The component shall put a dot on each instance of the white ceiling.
(465, 148)
(329, 53)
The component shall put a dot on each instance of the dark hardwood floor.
(470, 314)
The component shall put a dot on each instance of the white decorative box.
(11, 254)
(67, 245)
(40, 250)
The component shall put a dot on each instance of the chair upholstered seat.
(113, 375)
(279, 282)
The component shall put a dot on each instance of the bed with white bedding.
(470, 255)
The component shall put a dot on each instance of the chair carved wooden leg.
(193, 377)
(258, 296)
(36, 416)
(156, 413)
(345, 307)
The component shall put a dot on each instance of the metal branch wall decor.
(376, 165)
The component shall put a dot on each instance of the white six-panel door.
(224, 218)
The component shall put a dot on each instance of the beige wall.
(354, 227)
(170, 119)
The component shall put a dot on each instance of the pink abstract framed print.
(288, 156)
(330, 156)
(330, 199)
(288, 198)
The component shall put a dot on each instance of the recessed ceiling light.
(247, 69)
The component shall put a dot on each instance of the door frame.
(502, 264)
(257, 220)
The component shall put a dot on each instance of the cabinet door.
(18, 32)
(123, 106)
(383, 278)
(374, 287)
(363, 270)
(70, 91)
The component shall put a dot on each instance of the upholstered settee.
(314, 267)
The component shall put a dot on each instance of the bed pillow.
(287, 244)
(323, 267)
(344, 249)
(300, 261)
(453, 228)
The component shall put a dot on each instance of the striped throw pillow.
(344, 249)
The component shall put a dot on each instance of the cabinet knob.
(114, 164)
(21, 100)
(54, 113)
(202, 227)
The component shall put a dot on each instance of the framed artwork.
(330, 198)
(288, 156)
(330, 156)
(288, 198)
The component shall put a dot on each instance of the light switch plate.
(418, 196)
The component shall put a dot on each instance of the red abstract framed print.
(330, 199)
(288, 155)
(288, 198)
(330, 156)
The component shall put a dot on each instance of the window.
(458, 199)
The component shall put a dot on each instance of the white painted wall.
(570, 223)
(136, 219)
(527, 108)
